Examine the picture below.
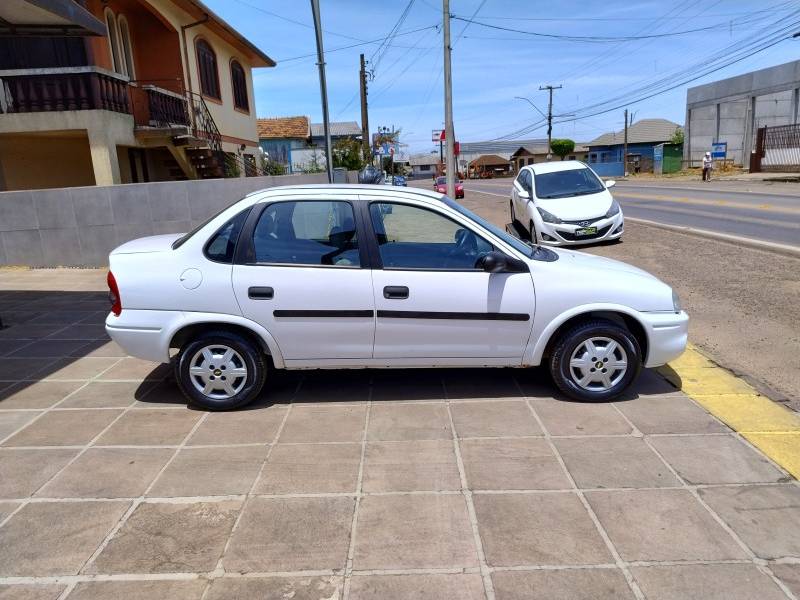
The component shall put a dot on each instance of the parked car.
(565, 203)
(440, 185)
(400, 180)
(284, 279)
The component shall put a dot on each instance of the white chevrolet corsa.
(565, 203)
(338, 276)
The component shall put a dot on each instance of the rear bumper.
(143, 333)
(667, 335)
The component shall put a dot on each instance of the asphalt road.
(763, 212)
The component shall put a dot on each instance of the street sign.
(719, 150)
(436, 135)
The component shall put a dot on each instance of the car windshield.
(564, 184)
(443, 181)
(509, 239)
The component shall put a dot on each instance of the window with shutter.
(207, 67)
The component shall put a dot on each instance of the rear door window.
(308, 232)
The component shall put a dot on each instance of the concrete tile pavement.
(452, 484)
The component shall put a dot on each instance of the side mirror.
(610, 183)
(497, 262)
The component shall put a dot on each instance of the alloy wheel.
(218, 371)
(598, 364)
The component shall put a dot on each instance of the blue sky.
(492, 66)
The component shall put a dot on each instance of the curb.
(770, 427)
(785, 249)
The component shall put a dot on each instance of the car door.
(432, 301)
(301, 273)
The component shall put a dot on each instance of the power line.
(595, 39)
(364, 43)
(296, 22)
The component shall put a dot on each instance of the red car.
(440, 185)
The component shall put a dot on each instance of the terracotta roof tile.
(284, 127)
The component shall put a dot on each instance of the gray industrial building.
(732, 110)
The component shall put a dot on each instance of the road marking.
(777, 221)
(709, 202)
(787, 249)
(770, 427)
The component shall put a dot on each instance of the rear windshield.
(564, 184)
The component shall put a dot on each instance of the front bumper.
(667, 335)
(563, 234)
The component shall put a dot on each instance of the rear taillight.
(113, 295)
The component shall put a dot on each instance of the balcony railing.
(155, 106)
(71, 88)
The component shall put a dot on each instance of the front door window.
(410, 237)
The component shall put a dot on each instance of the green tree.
(562, 147)
(677, 137)
(347, 154)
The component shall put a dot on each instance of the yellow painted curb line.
(770, 427)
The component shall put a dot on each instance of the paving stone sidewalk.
(362, 484)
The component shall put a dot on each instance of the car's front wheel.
(595, 361)
(220, 370)
(532, 231)
(511, 210)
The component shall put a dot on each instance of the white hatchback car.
(338, 276)
(565, 203)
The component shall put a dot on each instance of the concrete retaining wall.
(79, 226)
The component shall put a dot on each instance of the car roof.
(371, 189)
(554, 166)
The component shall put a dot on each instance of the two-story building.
(119, 91)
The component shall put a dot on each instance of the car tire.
(533, 233)
(511, 210)
(574, 345)
(234, 353)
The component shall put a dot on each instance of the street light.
(528, 100)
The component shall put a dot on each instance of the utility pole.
(323, 88)
(625, 147)
(365, 142)
(550, 89)
(449, 134)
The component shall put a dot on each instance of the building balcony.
(91, 88)
(62, 89)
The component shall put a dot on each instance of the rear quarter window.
(221, 246)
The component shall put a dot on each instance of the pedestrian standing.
(708, 165)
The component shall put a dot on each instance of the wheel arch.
(248, 329)
(619, 315)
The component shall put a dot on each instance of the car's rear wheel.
(220, 370)
(595, 361)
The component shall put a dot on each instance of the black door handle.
(395, 292)
(260, 293)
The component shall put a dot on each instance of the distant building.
(425, 165)
(528, 155)
(489, 165)
(469, 151)
(279, 136)
(299, 145)
(605, 152)
(339, 130)
(119, 91)
(732, 110)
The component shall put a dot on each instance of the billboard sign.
(719, 150)
(437, 134)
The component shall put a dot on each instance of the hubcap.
(218, 372)
(598, 364)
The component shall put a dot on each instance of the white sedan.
(338, 276)
(564, 203)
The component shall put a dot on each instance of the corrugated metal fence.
(777, 149)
